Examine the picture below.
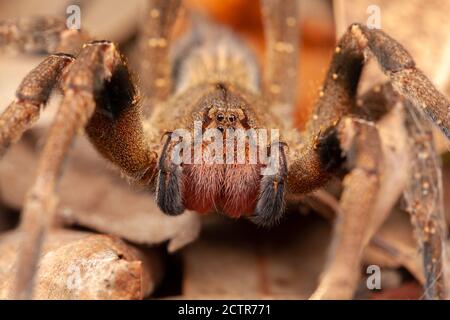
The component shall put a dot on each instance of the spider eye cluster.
(226, 118)
(223, 118)
(230, 118)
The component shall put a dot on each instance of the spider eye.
(232, 118)
(220, 117)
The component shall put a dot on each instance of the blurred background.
(230, 259)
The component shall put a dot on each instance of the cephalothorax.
(213, 81)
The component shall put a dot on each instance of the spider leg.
(377, 157)
(40, 35)
(423, 193)
(154, 46)
(313, 160)
(406, 79)
(90, 86)
(281, 35)
(32, 94)
(424, 201)
(338, 97)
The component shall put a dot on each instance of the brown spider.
(214, 79)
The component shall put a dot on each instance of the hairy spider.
(214, 80)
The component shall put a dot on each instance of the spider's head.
(221, 168)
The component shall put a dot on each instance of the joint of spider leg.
(356, 30)
(21, 99)
(328, 147)
(117, 94)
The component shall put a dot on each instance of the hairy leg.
(282, 37)
(309, 169)
(422, 187)
(424, 201)
(155, 43)
(35, 35)
(338, 98)
(32, 94)
(371, 189)
(362, 146)
(98, 63)
(406, 79)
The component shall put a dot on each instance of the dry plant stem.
(361, 186)
(282, 37)
(95, 64)
(32, 94)
(424, 201)
(154, 45)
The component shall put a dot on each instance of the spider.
(212, 78)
